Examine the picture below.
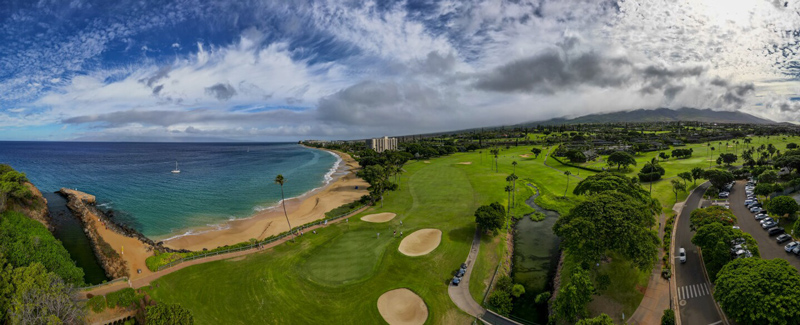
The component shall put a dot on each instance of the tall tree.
(280, 181)
(567, 189)
(782, 206)
(621, 159)
(686, 177)
(609, 222)
(757, 291)
(536, 152)
(677, 186)
(573, 297)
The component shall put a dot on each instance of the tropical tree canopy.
(782, 206)
(718, 178)
(609, 222)
(757, 291)
(621, 159)
(705, 216)
(715, 241)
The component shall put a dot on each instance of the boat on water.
(176, 170)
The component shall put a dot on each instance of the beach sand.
(301, 210)
(131, 249)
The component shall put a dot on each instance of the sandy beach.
(131, 249)
(304, 209)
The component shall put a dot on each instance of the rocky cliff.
(82, 205)
(34, 207)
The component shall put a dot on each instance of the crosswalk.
(693, 291)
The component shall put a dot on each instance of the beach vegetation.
(24, 241)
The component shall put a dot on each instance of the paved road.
(694, 299)
(767, 246)
(463, 299)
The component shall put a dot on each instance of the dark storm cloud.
(438, 64)
(169, 118)
(658, 78)
(385, 103)
(157, 89)
(221, 91)
(550, 72)
(736, 94)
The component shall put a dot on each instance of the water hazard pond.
(536, 256)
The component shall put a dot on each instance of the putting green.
(350, 257)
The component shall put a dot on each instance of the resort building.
(381, 144)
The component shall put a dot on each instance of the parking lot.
(767, 245)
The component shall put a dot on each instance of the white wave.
(214, 227)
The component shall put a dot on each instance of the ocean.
(217, 182)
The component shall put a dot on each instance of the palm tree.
(508, 189)
(495, 152)
(514, 163)
(280, 181)
(567, 189)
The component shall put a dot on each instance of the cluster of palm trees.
(511, 189)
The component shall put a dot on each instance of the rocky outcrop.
(34, 207)
(82, 206)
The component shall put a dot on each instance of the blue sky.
(286, 70)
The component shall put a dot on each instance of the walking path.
(463, 299)
(556, 169)
(146, 280)
(657, 297)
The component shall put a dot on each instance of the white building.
(381, 144)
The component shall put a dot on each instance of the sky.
(272, 70)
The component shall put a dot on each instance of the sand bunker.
(465, 163)
(427, 161)
(379, 217)
(525, 155)
(402, 306)
(420, 242)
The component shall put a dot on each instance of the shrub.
(537, 216)
(168, 314)
(517, 290)
(668, 318)
(97, 303)
(543, 297)
(603, 281)
(121, 298)
(501, 301)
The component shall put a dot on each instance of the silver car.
(682, 255)
(789, 247)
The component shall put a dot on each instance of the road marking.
(693, 291)
(719, 322)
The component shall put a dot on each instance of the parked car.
(456, 281)
(761, 216)
(789, 247)
(682, 255)
(750, 201)
(461, 273)
(767, 219)
(464, 266)
(796, 250)
(768, 225)
(736, 227)
(783, 238)
(724, 195)
(775, 231)
(742, 254)
(756, 210)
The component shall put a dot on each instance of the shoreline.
(338, 168)
(310, 206)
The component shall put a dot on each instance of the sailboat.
(176, 171)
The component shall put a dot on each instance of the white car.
(682, 255)
(724, 195)
(791, 246)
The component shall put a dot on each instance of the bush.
(603, 281)
(168, 314)
(122, 298)
(668, 318)
(517, 290)
(97, 303)
(537, 216)
(501, 301)
(543, 297)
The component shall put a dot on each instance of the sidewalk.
(656, 298)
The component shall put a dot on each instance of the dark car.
(464, 266)
(783, 238)
(461, 273)
(775, 231)
(456, 281)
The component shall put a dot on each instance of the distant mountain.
(661, 115)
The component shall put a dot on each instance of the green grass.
(350, 257)
(337, 275)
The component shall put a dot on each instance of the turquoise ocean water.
(218, 181)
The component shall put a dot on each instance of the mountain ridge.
(684, 114)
